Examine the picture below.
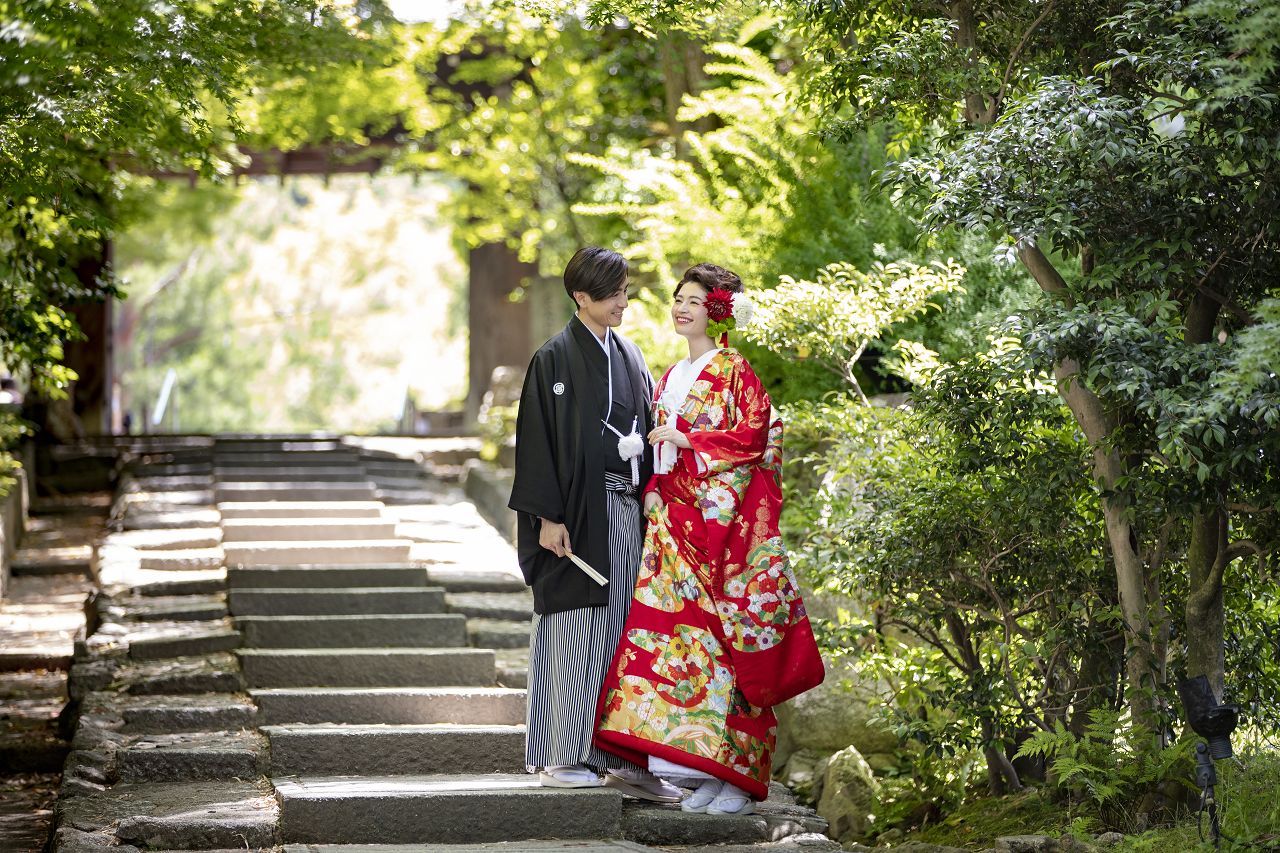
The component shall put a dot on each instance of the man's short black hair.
(599, 273)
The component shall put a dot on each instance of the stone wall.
(489, 488)
(13, 517)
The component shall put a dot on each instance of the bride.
(717, 632)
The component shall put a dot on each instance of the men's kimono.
(717, 632)
(568, 470)
(560, 461)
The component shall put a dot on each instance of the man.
(581, 460)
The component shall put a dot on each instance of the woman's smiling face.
(689, 310)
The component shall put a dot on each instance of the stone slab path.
(300, 642)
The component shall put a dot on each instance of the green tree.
(89, 90)
(1137, 140)
(965, 527)
(1175, 228)
(514, 96)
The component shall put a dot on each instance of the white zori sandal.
(642, 785)
(568, 776)
(732, 800)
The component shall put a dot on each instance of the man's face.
(604, 312)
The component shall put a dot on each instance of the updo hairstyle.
(711, 277)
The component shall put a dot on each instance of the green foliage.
(514, 95)
(84, 93)
(180, 315)
(759, 196)
(1253, 32)
(924, 67)
(287, 307)
(1116, 763)
(951, 523)
(1250, 379)
(833, 320)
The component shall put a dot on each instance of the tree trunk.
(1001, 777)
(977, 110)
(93, 358)
(682, 71)
(1098, 424)
(1206, 561)
(498, 328)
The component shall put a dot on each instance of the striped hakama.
(571, 652)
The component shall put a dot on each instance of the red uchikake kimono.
(717, 632)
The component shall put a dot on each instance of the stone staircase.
(353, 672)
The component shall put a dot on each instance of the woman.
(717, 632)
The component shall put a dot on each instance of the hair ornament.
(727, 311)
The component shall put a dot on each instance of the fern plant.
(1115, 763)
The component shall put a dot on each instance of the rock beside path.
(849, 795)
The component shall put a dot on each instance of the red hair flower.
(719, 305)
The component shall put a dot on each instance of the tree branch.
(1004, 84)
(1241, 547)
(1225, 301)
(1249, 508)
(1044, 272)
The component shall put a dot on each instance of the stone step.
(305, 529)
(513, 667)
(237, 815)
(152, 714)
(300, 509)
(494, 634)
(496, 706)
(218, 672)
(300, 491)
(335, 602)
(533, 846)
(351, 667)
(440, 809)
(774, 821)
(196, 586)
(325, 577)
(502, 606)
(289, 474)
(172, 469)
(395, 750)
(181, 559)
(270, 452)
(195, 638)
(336, 552)
(171, 520)
(75, 559)
(777, 825)
(460, 580)
(168, 539)
(389, 463)
(437, 630)
(174, 608)
(398, 483)
(174, 484)
(193, 757)
(282, 441)
(411, 497)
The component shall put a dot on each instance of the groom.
(581, 460)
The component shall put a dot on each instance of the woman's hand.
(554, 537)
(671, 434)
(652, 500)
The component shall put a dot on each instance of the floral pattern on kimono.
(698, 668)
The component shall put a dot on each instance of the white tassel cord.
(630, 448)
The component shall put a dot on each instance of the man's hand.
(652, 500)
(554, 537)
